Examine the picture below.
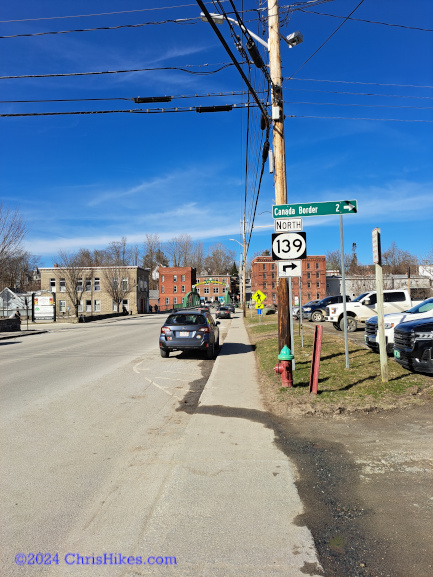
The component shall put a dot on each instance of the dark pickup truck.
(413, 345)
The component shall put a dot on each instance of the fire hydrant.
(284, 367)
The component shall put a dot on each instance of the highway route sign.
(258, 296)
(288, 224)
(289, 268)
(315, 209)
(289, 245)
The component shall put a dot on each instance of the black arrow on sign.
(292, 265)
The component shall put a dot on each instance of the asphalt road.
(88, 423)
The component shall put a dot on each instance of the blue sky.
(86, 180)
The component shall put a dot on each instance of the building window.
(162, 278)
(317, 265)
(97, 306)
(273, 266)
(183, 287)
(62, 284)
(79, 285)
(317, 284)
(308, 285)
(182, 278)
(264, 285)
(175, 278)
(198, 290)
(125, 284)
(308, 274)
(97, 284)
(274, 297)
(317, 274)
(309, 296)
(53, 285)
(308, 265)
(264, 266)
(88, 284)
(264, 275)
(273, 275)
(216, 290)
(114, 306)
(175, 300)
(62, 306)
(174, 288)
(80, 307)
(167, 301)
(125, 304)
(206, 290)
(317, 295)
(88, 306)
(162, 289)
(273, 285)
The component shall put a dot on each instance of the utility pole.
(280, 181)
(243, 269)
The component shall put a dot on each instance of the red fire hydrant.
(284, 367)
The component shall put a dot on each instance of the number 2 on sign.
(297, 243)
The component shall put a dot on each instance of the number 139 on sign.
(289, 245)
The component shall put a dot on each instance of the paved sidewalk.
(229, 506)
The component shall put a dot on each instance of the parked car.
(189, 330)
(295, 310)
(365, 305)
(420, 311)
(316, 313)
(224, 313)
(230, 306)
(413, 345)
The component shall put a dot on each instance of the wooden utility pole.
(377, 259)
(243, 269)
(280, 181)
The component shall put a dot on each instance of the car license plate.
(396, 354)
(184, 334)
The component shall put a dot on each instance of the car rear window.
(186, 319)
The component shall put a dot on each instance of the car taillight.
(204, 330)
(165, 330)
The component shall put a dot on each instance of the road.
(88, 425)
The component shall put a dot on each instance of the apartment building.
(264, 277)
(174, 284)
(91, 291)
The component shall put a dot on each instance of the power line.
(100, 72)
(328, 39)
(361, 105)
(367, 21)
(291, 78)
(179, 21)
(103, 13)
(358, 118)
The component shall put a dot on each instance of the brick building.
(264, 277)
(174, 284)
(96, 289)
(214, 291)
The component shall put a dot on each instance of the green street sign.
(315, 208)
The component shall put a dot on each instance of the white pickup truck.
(365, 305)
(420, 311)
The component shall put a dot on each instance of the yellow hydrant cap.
(285, 354)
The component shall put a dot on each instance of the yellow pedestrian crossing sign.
(260, 306)
(259, 297)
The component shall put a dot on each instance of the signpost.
(289, 245)
(315, 209)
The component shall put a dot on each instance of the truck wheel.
(317, 317)
(352, 325)
(164, 353)
(336, 326)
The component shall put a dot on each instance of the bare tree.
(180, 250)
(198, 258)
(117, 283)
(119, 253)
(73, 276)
(397, 261)
(12, 231)
(220, 259)
(17, 272)
(153, 257)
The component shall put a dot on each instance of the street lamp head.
(294, 39)
(217, 18)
